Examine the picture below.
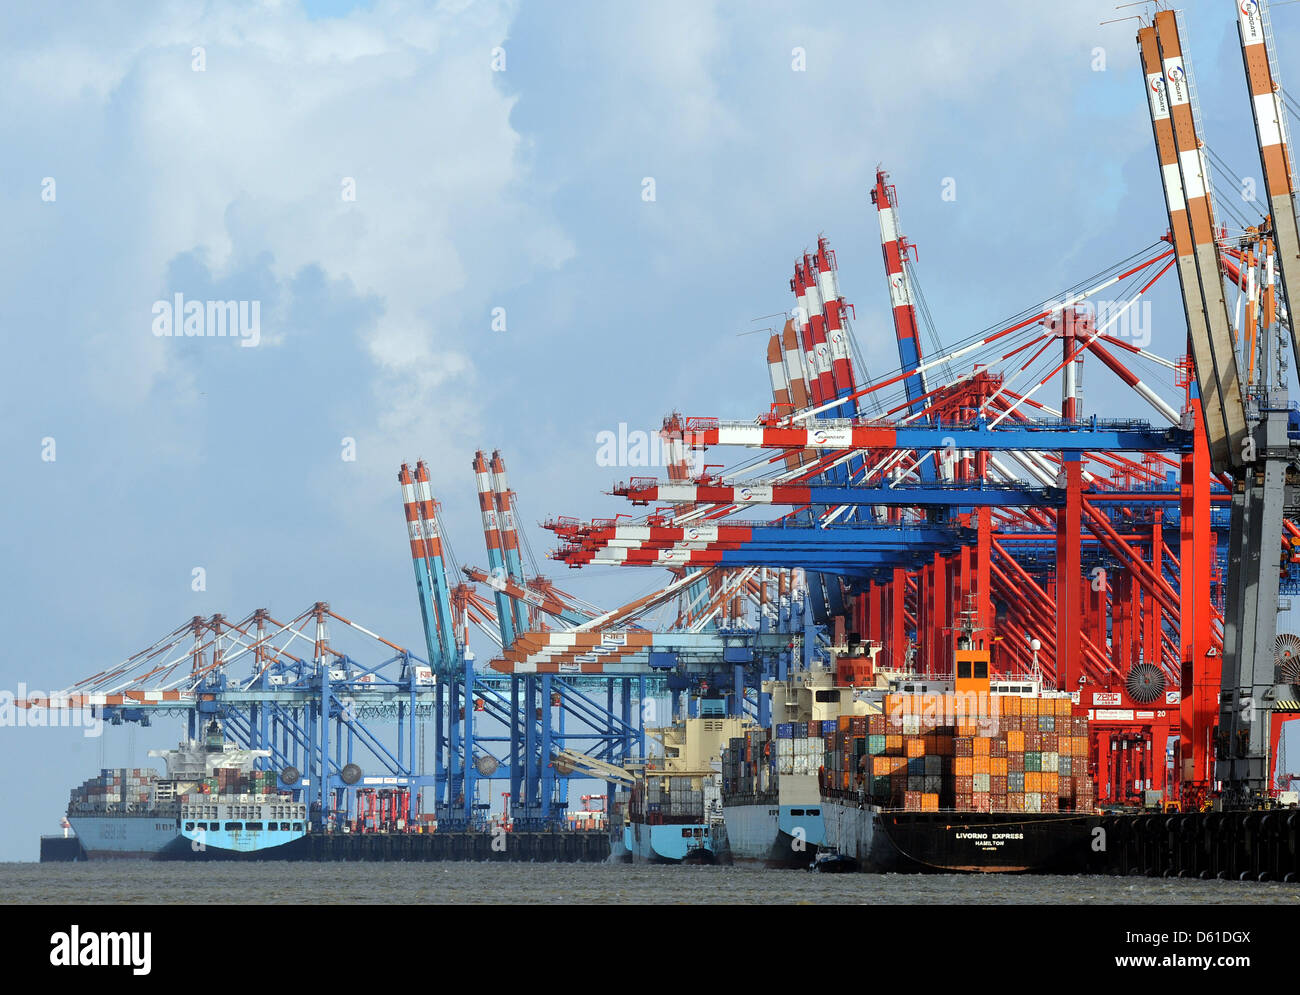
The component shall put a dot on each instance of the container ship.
(771, 788)
(674, 807)
(211, 805)
(963, 774)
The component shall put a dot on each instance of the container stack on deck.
(233, 781)
(115, 788)
(922, 755)
(665, 799)
(753, 764)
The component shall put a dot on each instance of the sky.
(392, 182)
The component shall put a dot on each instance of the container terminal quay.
(945, 619)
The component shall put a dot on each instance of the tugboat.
(833, 862)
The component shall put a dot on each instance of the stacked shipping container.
(667, 799)
(752, 765)
(233, 781)
(116, 787)
(926, 752)
(139, 788)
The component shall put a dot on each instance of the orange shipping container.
(1008, 704)
(1016, 741)
(929, 802)
(894, 742)
(963, 766)
(1033, 782)
(998, 765)
(981, 764)
(982, 746)
(915, 746)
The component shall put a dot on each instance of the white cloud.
(250, 155)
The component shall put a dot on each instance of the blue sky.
(477, 190)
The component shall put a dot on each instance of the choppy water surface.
(585, 884)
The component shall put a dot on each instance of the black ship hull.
(894, 842)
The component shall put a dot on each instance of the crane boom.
(1212, 346)
(1270, 134)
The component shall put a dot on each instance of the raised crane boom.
(1270, 132)
(1208, 322)
(894, 248)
